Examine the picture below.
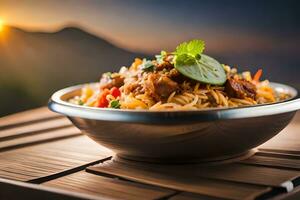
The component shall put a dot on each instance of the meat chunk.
(240, 88)
(133, 87)
(109, 81)
(165, 65)
(174, 75)
(160, 86)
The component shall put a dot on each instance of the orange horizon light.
(1, 25)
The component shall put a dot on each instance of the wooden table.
(43, 156)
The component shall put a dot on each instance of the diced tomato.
(115, 92)
(102, 101)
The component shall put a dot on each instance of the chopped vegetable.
(137, 62)
(115, 104)
(192, 63)
(257, 75)
(102, 101)
(80, 102)
(115, 92)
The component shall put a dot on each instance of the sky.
(149, 26)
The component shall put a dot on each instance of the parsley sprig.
(193, 48)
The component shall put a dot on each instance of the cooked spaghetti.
(158, 85)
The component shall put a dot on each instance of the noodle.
(134, 88)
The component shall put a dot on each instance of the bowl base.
(210, 161)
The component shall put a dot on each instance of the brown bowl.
(179, 136)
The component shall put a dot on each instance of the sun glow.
(1, 25)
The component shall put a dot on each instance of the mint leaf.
(192, 48)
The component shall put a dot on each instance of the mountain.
(35, 64)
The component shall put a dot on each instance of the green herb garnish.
(80, 102)
(190, 62)
(160, 58)
(115, 104)
(191, 48)
(147, 65)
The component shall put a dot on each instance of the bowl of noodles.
(182, 106)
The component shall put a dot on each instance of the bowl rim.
(58, 105)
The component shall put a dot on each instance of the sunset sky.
(150, 25)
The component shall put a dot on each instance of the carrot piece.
(257, 75)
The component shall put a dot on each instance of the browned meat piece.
(133, 87)
(165, 65)
(250, 88)
(173, 73)
(160, 86)
(109, 81)
(176, 76)
(130, 87)
(240, 88)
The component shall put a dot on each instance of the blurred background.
(48, 45)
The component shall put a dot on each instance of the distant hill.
(35, 64)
